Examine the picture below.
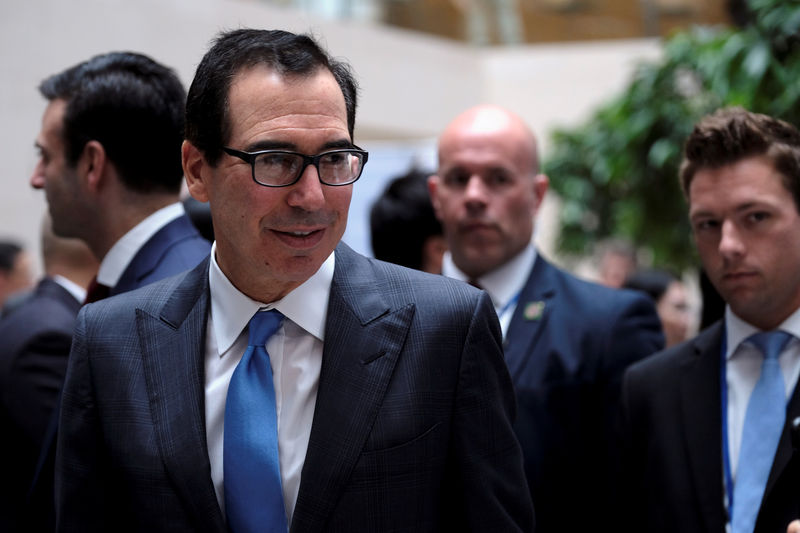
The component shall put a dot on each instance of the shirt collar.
(737, 330)
(502, 283)
(120, 255)
(78, 292)
(231, 309)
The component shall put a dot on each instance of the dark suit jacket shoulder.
(174, 248)
(411, 431)
(33, 359)
(36, 341)
(567, 345)
(672, 445)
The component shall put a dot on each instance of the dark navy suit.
(174, 248)
(412, 428)
(566, 347)
(36, 338)
(672, 445)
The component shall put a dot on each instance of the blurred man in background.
(116, 187)
(37, 335)
(404, 228)
(16, 272)
(566, 341)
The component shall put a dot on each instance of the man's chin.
(476, 263)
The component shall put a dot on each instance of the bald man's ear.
(540, 185)
(194, 171)
(433, 187)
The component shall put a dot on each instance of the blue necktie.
(251, 470)
(763, 425)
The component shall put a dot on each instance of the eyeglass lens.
(277, 168)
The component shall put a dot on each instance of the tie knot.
(771, 343)
(263, 325)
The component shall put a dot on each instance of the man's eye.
(498, 179)
(758, 216)
(705, 225)
(456, 180)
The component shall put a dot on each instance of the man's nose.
(475, 192)
(307, 193)
(37, 178)
(730, 242)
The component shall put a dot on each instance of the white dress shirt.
(120, 255)
(78, 292)
(295, 353)
(743, 369)
(503, 284)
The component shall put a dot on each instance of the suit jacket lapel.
(536, 304)
(173, 346)
(363, 339)
(701, 410)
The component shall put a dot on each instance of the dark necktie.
(475, 283)
(763, 425)
(96, 291)
(251, 468)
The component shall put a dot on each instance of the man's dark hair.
(207, 121)
(732, 134)
(653, 282)
(9, 251)
(131, 105)
(402, 219)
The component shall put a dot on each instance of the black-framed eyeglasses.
(281, 168)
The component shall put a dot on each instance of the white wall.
(412, 84)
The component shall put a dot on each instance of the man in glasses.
(287, 382)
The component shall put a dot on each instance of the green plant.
(617, 174)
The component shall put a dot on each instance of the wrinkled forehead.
(263, 101)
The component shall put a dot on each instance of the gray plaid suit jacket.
(412, 429)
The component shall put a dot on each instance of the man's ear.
(433, 187)
(93, 164)
(193, 165)
(540, 185)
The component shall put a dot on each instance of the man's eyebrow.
(269, 145)
(292, 147)
(703, 212)
(333, 145)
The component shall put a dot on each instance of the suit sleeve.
(35, 379)
(487, 456)
(80, 468)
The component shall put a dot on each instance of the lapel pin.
(533, 310)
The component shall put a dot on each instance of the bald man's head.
(488, 187)
(489, 123)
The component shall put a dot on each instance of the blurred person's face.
(270, 240)
(673, 309)
(19, 278)
(747, 229)
(615, 269)
(486, 194)
(56, 176)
